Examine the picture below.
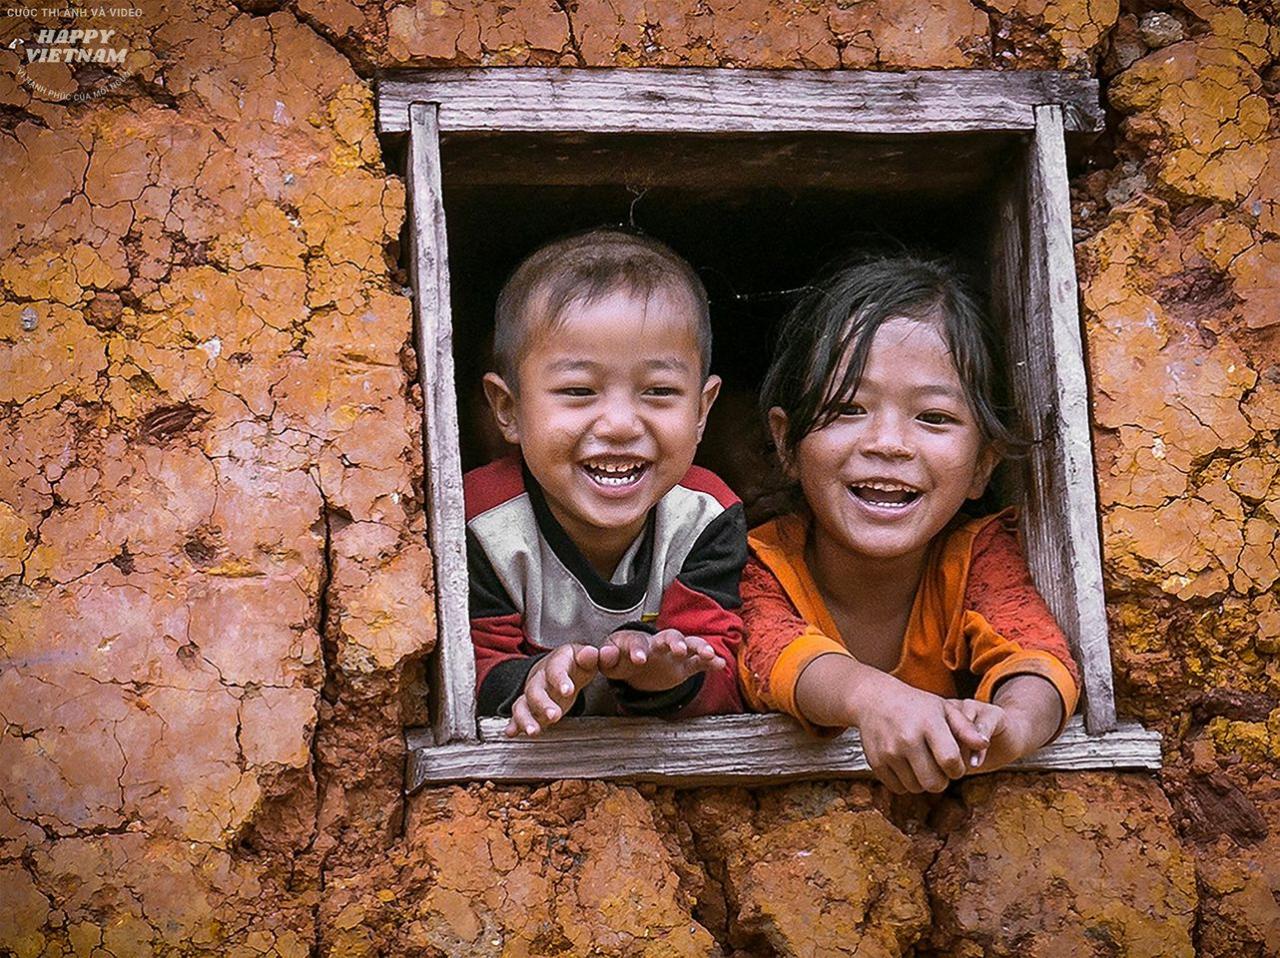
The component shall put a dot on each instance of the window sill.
(732, 749)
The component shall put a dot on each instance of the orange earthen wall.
(215, 599)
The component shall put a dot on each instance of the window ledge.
(727, 749)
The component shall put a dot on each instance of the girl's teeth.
(884, 496)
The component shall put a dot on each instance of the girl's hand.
(1026, 714)
(655, 663)
(914, 741)
(980, 721)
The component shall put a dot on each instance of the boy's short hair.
(584, 267)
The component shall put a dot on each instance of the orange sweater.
(976, 617)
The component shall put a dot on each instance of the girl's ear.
(778, 429)
(502, 401)
(710, 390)
(988, 459)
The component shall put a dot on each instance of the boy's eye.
(662, 392)
(575, 392)
(851, 409)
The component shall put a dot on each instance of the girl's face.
(892, 470)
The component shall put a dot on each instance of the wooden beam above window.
(739, 101)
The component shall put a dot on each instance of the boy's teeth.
(613, 473)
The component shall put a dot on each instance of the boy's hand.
(655, 663)
(914, 741)
(551, 688)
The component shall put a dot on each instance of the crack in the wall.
(566, 8)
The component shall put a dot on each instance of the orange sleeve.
(1009, 629)
(777, 647)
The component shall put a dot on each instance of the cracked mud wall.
(215, 598)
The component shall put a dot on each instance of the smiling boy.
(604, 566)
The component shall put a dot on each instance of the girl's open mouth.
(882, 495)
(615, 475)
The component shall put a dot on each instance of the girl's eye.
(851, 409)
(574, 392)
(936, 418)
(662, 392)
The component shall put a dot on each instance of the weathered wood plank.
(724, 101)
(719, 749)
(937, 164)
(1063, 535)
(454, 660)
(1033, 291)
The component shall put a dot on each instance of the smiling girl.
(878, 603)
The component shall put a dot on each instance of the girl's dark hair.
(839, 315)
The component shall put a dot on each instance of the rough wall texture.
(215, 600)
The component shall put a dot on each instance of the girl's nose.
(886, 437)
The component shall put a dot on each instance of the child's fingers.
(556, 676)
(705, 652)
(522, 719)
(889, 778)
(542, 706)
(674, 641)
(905, 776)
(567, 674)
(586, 659)
(987, 718)
(631, 646)
(927, 772)
(659, 643)
(609, 657)
(946, 751)
(963, 721)
(884, 774)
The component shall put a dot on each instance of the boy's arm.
(1009, 629)
(703, 601)
(504, 655)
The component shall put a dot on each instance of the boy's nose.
(619, 419)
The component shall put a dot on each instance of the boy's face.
(609, 411)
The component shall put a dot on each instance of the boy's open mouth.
(885, 495)
(615, 475)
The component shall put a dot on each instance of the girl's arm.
(1026, 714)
(778, 646)
(912, 739)
(1010, 632)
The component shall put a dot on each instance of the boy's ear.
(988, 459)
(778, 430)
(710, 390)
(502, 401)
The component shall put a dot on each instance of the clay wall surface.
(215, 598)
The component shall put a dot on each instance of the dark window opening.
(756, 215)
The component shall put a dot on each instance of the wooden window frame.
(1038, 285)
